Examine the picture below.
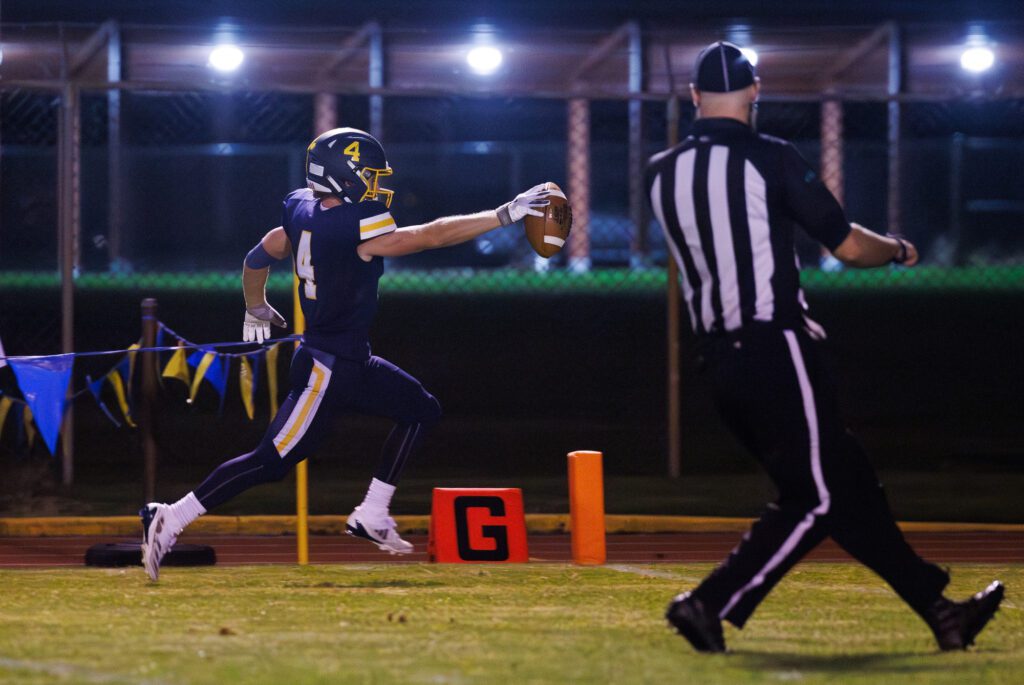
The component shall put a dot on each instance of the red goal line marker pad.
(477, 525)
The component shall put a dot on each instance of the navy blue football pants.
(776, 394)
(323, 386)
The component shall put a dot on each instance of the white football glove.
(528, 202)
(257, 322)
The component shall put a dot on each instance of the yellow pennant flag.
(5, 406)
(245, 381)
(272, 378)
(30, 428)
(114, 379)
(204, 364)
(131, 361)
(177, 367)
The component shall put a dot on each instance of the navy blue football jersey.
(337, 289)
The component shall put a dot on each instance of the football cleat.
(956, 624)
(380, 530)
(691, 619)
(159, 533)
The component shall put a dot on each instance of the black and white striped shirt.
(728, 200)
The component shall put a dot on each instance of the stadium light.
(484, 59)
(226, 57)
(750, 54)
(977, 59)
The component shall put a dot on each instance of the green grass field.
(537, 623)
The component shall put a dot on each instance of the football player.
(338, 230)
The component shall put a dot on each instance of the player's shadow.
(878, 663)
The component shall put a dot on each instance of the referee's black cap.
(722, 67)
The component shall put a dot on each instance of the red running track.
(960, 547)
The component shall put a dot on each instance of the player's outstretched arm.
(255, 271)
(452, 230)
(864, 248)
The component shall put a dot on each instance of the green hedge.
(509, 281)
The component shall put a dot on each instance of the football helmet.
(348, 163)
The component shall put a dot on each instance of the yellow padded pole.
(301, 470)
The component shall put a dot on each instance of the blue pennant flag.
(218, 377)
(44, 383)
(95, 388)
(207, 364)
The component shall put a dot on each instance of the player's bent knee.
(273, 473)
(273, 466)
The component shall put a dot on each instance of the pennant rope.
(120, 376)
(162, 348)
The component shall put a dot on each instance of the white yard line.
(645, 572)
(70, 671)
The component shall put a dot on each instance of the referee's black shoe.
(956, 624)
(692, 620)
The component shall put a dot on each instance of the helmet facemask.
(371, 178)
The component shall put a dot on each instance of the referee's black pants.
(776, 395)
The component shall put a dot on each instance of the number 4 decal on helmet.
(352, 150)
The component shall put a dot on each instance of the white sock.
(186, 510)
(378, 497)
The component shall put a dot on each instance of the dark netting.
(789, 120)
(999, 118)
(152, 119)
(198, 177)
(28, 118)
(28, 220)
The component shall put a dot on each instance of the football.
(547, 234)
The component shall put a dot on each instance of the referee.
(729, 200)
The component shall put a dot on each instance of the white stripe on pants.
(805, 524)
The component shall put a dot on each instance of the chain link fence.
(28, 216)
(216, 166)
(176, 186)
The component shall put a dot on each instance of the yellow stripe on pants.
(297, 421)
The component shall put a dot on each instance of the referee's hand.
(912, 255)
(906, 253)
